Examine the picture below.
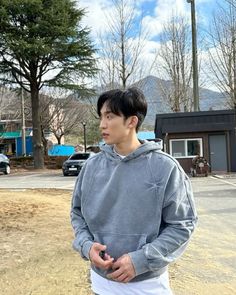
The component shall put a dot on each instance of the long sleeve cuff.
(86, 248)
(139, 261)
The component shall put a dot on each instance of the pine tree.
(42, 42)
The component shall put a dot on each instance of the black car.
(4, 164)
(74, 163)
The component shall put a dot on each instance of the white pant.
(155, 286)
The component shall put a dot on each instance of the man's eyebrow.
(106, 112)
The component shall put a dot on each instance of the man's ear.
(133, 121)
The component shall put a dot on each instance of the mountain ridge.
(150, 85)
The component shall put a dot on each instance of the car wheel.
(65, 174)
(7, 170)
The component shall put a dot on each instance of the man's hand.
(123, 270)
(97, 260)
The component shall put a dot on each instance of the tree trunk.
(37, 135)
(58, 139)
(45, 143)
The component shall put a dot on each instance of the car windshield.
(79, 157)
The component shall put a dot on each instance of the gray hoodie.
(141, 205)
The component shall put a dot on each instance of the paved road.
(216, 201)
(42, 179)
(54, 179)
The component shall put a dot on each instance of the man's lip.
(105, 134)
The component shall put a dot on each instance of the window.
(80, 156)
(186, 148)
(178, 148)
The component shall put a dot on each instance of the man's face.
(114, 129)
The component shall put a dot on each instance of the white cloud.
(95, 17)
(208, 72)
(149, 53)
(153, 19)
(162, 12)
(97, 10)
(165, 9)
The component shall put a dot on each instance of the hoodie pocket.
(120, 244)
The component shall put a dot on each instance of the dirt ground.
(36, 255)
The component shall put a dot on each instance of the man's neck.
(128, 147)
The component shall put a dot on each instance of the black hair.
(130, 102)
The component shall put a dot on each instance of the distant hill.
(209, 100)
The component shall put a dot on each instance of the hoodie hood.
(146, 147)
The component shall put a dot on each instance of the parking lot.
(35, 245)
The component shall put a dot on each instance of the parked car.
(4, 164)
(74, 163)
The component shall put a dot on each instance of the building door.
(218, 153)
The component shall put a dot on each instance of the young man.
(132, 209)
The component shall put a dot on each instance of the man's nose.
(102, 124)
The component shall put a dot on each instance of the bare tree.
(9, 109)
(121, 45)
(9, 104)
(231, 2)
(10, 115)
(61, 115)
(222, 50)
(173, 63)
(108, 75)
(3, 108)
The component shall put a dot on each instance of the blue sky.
(155, 11)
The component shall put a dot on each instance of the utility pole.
(23, 123)
(194, 57)
(85, 145)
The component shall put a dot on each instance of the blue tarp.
(141, 135)
(61, 150)
(146, 135)
(67, 150)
